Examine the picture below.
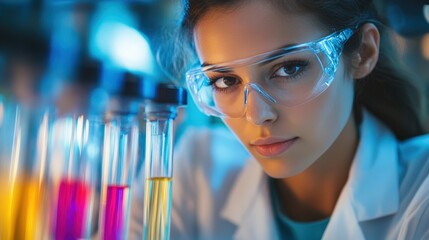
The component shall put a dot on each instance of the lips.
(271, 147)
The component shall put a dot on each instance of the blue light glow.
(116, 41)
(124, 47)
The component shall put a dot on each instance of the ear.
(367, 55)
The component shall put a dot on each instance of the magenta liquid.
(115, 212)
(71, 218)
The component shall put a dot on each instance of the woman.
(312, 90)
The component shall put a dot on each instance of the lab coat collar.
(373, 178)
(249, 206)
(372, 190)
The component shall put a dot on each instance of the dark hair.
(388, 92)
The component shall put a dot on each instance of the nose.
(258, 106)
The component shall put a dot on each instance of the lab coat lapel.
(343, 223)
(249, 206)
(372, 190)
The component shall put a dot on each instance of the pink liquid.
(116, 207)
(71, 219)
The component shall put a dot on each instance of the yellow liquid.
(20, 208)
(9, 203)
(157, 209)
(28, 223)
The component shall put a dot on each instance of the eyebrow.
(266, 61)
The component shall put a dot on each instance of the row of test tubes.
(71, 177)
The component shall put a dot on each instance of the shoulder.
(415, 148)
(414, 186)
(414, 159)
(415, 220)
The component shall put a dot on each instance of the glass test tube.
(23, 147)
(10, 174)
(120, 154)
(159, 114)
(158, 188)
(76, 153)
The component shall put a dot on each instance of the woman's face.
(284, 140)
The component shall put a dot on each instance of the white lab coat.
(385, 197)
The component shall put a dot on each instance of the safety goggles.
(287, 76)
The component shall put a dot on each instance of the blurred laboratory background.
(81, 100)
(89, 100)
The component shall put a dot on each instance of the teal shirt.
(290, 229)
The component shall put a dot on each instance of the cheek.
(241, 129)
(325, 117)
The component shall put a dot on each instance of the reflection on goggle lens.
(288, 76)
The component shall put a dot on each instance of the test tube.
(126, 92)
(159, 115)
(9, 167)
(23, 147)
(31, 222)
(76, 151)
(120, 154)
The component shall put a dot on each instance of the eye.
(290, 69)
(224, 82)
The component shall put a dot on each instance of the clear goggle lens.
(288, 77)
